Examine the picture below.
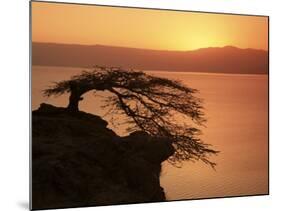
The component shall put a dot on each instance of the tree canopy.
(158, 106)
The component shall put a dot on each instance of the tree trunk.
(74, 98)
(73, 105)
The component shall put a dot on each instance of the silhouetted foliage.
(158, 106)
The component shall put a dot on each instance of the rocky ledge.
(78, 161)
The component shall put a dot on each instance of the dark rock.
(77, 161)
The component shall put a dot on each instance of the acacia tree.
(158, 106)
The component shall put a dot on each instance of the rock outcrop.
(78, 161)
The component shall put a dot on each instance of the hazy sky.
(139, 28)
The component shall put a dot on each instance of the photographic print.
(135, 105)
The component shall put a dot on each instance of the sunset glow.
(149, 29)
(134, 105)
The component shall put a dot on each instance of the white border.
(14, 102)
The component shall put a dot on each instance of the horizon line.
(117, 46)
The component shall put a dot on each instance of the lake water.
(236, 107)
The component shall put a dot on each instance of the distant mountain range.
(227, 59)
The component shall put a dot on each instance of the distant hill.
(227, 59)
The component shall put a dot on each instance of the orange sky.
(139, 28)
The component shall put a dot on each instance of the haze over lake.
(236, 106)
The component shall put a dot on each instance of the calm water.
(236, 109)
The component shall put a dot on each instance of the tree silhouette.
(157, 106)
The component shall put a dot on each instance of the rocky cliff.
(78, 161)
